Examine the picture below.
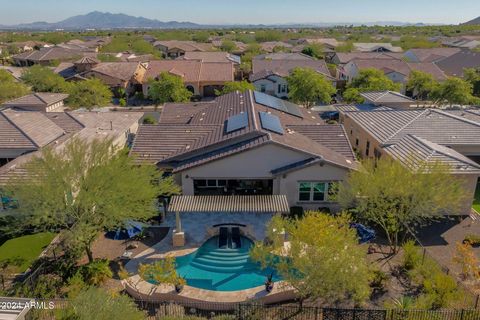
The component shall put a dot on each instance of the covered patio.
(197, 218)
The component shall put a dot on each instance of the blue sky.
(248, 11)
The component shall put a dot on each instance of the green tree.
(9, 88)
(307, 87)
(228, 46)
(148, 119)
(96, 303)
(352, 95)
(398, 197)
(168, 88)
(421, 84)
(201, 36)
(315, 50)
(268, 35)
(85, 188)
(235, 86)
(323, 260)
(472, 76)
(371, 79)
(454, 91)
(43, 79)
(346, 47)
(89, 94)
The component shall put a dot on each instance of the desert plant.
(467, 260)
(412, 256)
(472, 239)
(379, 280)
(97, 272)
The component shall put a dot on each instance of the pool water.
(229, 269)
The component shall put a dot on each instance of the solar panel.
(271, 122)
(237, 122)
(277, 104)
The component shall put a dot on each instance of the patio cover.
(234, 203)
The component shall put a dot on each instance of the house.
(391, 99)
(465, 42)
(248, 143)
(455, 64)
(39, 101)
(330, 44)
(25, 133)
(176, 48)
(422, 135)
(429, 55)
(271, 46)
(211, 56)
(240, 47)
(201, 78)
(376, 47)
(269, 72)
(119, 75)
(46, 56)
(342, 58)
(396, 70)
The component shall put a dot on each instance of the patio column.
(178, 222)
(178, 237)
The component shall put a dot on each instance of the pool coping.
(141, 289)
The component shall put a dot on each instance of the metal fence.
(245, 311)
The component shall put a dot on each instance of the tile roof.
(270, 45)
(191, 70)
(379, 97)
(215, 56)
(283, 68)
(345, 57)
(283, 56)
(37, 99)
(400, 66)
(197, 134)
(371, 46)
(413, 152)
(454, 65)
(184, 45)
(440, 127)
(430, 68)
(34, 126)
(433, 54)
(48, 54)
(119, 70)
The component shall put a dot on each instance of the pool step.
(223, 258)
(221, 263)
(220, 269)
(223, 253)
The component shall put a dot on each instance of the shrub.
(379, 280)
(412, 256)
(75, 285)
(122, 102)
(440, 291)
(472, 239)
(97, 272)
(149, 120)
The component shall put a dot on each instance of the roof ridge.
(456, 117)
(252, 110)
(405, 126)
(39, 97)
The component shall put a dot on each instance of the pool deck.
(141, 289)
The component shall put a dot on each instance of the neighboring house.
(127, 56)
(16, 72)
(240, 47)
(429, 55)
(396, 70)
(176, 48)
(30, 45)
(23, 134)
(342, 58)
(201, 78)
(455, 64)
(330, 44)
(391, 99)
(416, 136)
(269, 72)
(214, 56)
(270, 46)
(119, 75)
(465, 42)
(376, 47)
(90, 44)
(46, 56)
(39, 101)
(248, 144)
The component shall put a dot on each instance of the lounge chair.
(223, 238)
(236, 241)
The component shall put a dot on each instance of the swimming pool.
(227, 269)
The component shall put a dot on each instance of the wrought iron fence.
(246, 311)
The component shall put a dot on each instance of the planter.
(268, 286)
(178, 288)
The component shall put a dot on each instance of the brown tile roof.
(284, 67)
(120, 70)
(345, 57)
(270, 45)
(433, 54)
(65, 121)
(379, 97)
(11, 137)
(400, 66)
(197, 134)
(430, 68)
(35, 126)
(37, 99)
(283, 56)
(48, 54)
(184, 45)
(454, 65)
(191, 70)
(214, 56)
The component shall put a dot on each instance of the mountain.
(104, 20)
(473, 22)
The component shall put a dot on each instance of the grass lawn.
(476, 201)
(26, 248)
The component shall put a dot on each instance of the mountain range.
(473, 22)
(105, 20)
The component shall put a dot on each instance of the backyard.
(24, 250)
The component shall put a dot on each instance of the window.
(315, 191)
(211, 183)
(356, 142)
(367, 149)
(263, 88)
